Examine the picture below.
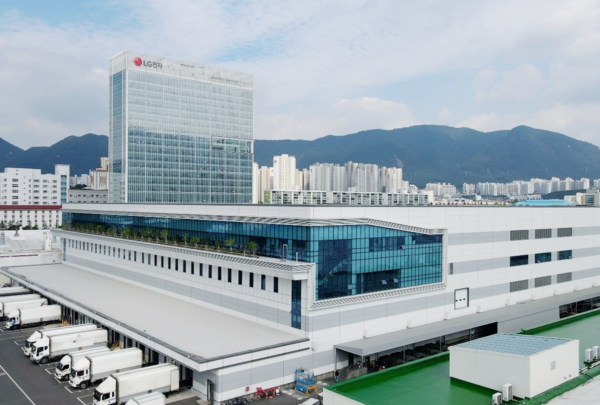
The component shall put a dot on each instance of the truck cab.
(105, 394)
(12, 320)
(63, 368)
(35, 336)
(40, 352)
(80, 374)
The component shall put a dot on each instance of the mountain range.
(427, 153)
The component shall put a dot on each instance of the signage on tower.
(148, 63)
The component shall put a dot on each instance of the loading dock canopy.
(394, 340)
(191, 328)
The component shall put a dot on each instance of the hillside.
(444, 154)
(81, 152)
(427, 153)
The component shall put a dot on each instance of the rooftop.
(428, 381)
(194, 329)
(521, 345)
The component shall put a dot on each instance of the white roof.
(31, 240)
(191, 328)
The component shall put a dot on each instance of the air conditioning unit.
(409, 324)
(479, 308)
(555, 292)
(507, 302)
(596, 352)
(589, 355)
(507, 392)
(497, 399)
(446, 315)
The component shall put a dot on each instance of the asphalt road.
(25, 383)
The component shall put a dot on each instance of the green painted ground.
(428, 381)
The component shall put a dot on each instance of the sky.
(320, 67)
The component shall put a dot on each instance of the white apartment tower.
(284, 172)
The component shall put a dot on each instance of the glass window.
(565, 255)
(240, 277)
(210, 271)
(276, 284)
(219, 273)
(251, 279)
(543, 257)
(519, 260)
(229, 275)
(200, 269)
(296, 304)
(263, 282)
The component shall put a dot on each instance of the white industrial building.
(32, 216)
(330, 285)
(31, 187)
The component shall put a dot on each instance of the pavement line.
(84, 403)
(14, 382)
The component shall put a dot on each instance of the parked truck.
(53, 347)
(64, 366)
(61, 330)
(15, 298)
(121, 387)
(13, 306)
(32, 316)
(97, 367)
(8, 291)
(155, 398)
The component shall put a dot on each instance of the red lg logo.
(138, 61)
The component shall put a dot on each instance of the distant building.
(441, 189)
(99, 177)
(40, 216)
(591, 197)
(88, 196)
(31, 187)
(316, 197)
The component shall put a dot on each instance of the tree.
(99, 228)
(194, 241)
(164, 234)
(219, 243)
(185, 238)
(230, 242)
(126, 233)
(253, 247)
(2, 225)
(205, 242)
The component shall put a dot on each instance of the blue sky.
(333, 67)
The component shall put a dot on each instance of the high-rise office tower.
(180, 132)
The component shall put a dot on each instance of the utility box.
(532, 364)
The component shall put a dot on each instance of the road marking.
(8, 375)
(85, 403)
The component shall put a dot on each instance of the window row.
(202, 270)
(541, 233)
(540, 282)
(522, 260)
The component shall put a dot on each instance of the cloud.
(444, 114)
(307, 57)
(342, 117)
(522, 83)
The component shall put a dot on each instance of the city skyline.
(312, 80)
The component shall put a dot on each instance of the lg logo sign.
(139, 62)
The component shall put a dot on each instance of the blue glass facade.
(350, 259)
(179, 133)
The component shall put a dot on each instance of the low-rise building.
(88, 196)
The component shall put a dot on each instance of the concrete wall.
(29, 258)
(566, 367)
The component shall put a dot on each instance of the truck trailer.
(63, 368)
(20, 297)
(9, 291)
(53, 347)
(96, 367)
(7, 308)
(121, 387)
(155, 398)
(61, 330)
(32, 316)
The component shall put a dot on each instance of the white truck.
(52, 347)
(97, 367)
(8, 291)
(155, 398)
(15, 298)
(32, 316)
(61, 330)
(121, 387)
(63, 368)
(7, 308)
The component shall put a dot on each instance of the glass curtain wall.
(350, 259)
